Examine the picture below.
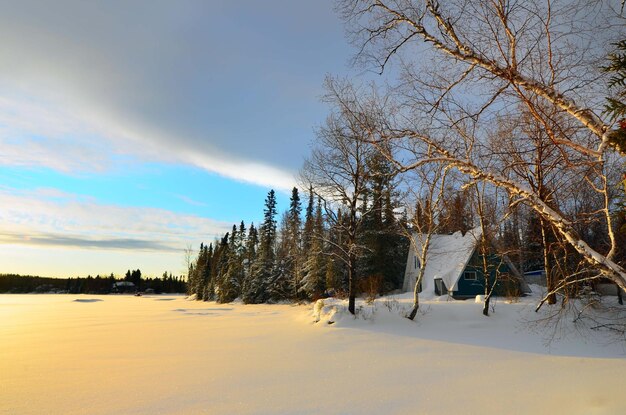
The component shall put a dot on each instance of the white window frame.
(465, 273)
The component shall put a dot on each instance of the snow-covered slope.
(166, 355)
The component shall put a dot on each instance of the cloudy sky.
(129, 129)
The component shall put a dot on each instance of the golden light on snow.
(79, 354)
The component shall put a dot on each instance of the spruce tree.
(314, 283)
(307, 232)
(208, 293)
(263, 267)
(279, 287)
(457, 215)
(233, 277)
(200, 275)
(221, 285)
(293, 243)
(241, 242)
(252, 243)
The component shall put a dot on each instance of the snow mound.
(329, 310)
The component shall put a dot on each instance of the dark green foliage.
(208, 291)
(262, 270)
(251, 244)
(314, 261)
(293, 244)
(300, 261)
(199, 273)
(307, 232)
(232, 269)
(615, 106)
(457, 215)
(13, 283)
(386, 248)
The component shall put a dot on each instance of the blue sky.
(130, 129)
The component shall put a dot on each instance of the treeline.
(14, 283)
(302, 258)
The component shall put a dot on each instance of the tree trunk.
(351, 288)
(619, 295)
(413, 312)
(550, 283)
(486, 305)
(486, 275)
(416, 298)
(420, 276)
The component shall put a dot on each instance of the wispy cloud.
(88, 243)
(42, 134)
(81, 83)
(38, 133)
(49, 217)
(189, 200)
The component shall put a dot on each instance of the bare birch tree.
(483, 59)
(337, 172)
(426, 221)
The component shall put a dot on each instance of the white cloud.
(54, 135)
(48, 217)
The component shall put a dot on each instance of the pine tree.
(263, 267)
(307, 240)
(216, 261)
(233, 276)
(279, 287)
(207, 283)
(241, 242)
(307, 232)
(314, 283)
(380, 263)
(197, 275)
(252, 243)
(293, 242)
(457, 215)
(222, 289)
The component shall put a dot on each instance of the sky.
(130, 130)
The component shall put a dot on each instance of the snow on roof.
(447, 257)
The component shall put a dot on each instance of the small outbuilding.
(537, 276)
(454, 266)
(124, 287)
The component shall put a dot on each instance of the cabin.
(124, 287)
(454, 267)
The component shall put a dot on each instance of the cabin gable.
(471, 282)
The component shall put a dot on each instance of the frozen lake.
(72, 354)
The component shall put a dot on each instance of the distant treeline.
(13, 283)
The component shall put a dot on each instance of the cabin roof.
(447, 257)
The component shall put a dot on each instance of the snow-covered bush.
(329, 310)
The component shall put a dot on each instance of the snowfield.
(69, 354)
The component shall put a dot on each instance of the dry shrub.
(371, 286)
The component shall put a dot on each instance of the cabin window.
(469, 275)
(417, 263)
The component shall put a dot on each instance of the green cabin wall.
(472, 288)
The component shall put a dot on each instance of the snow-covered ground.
(66, 354)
